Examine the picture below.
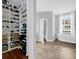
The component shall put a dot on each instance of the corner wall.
(71, 38)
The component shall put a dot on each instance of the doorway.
(43, 29)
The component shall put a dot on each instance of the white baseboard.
(64, 40)
(67, 38)
(38, 40)
(50, 40)
(11, 49)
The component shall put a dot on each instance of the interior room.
(56, 29)
(39, 29)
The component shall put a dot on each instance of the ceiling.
(56, 6)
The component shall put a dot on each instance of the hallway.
(56, 50)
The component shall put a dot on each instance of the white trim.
(50, 40)
(74, 42)
(39, 40)
(10, 49)
(31, 29)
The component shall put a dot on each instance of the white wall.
(31, 29)
(56, 6)
(56, 25)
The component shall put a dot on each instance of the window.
(66, 28)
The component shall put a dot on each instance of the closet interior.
(14, 25)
